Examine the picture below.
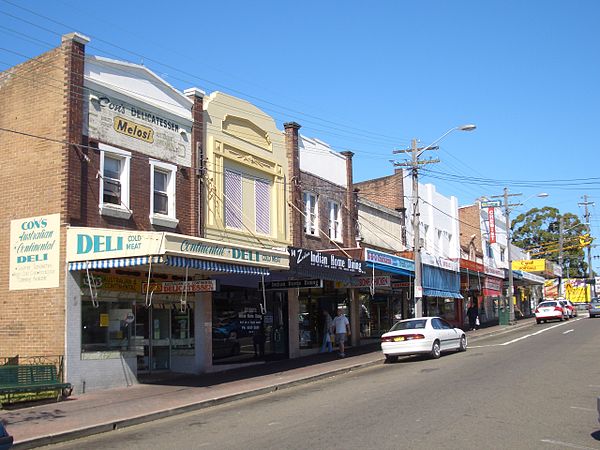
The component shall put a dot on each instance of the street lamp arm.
(468, 127)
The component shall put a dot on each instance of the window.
(335, 223)
(162, 194)
(106, 327)
(262, 191)
(502, 254)
(114, 182)
(233, 199)
(488, 250)
(310, 213)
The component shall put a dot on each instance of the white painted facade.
(379, 226)
(439, 224)
(318, 158)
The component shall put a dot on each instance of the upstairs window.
(335, 223)
(114, 182)
(502, 254)
(262, 195)
(162, 194)
(488, 250)
(310, 214)
(233, 199)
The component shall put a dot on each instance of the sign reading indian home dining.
(90, 244)
(145, 129)
(192, 247)
(34, 253)
(302, 259)
(292, 284)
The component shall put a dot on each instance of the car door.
(451, 334)
(442, 333)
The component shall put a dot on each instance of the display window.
(311, 320)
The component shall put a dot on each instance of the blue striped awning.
(391, 269)
(114, 263)
(212, 266)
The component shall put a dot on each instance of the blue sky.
(370, 76)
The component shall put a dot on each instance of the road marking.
(273, 423)
(594, 385)
(565, 444)
(568, 331)
(583, 409)
(543, 330)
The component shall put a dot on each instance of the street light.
(416, 152)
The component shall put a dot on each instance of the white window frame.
(311, 228)
(121, 211)
(335, 234)
(256, 208)
(240, 208)
(164, 220)
(502, 254)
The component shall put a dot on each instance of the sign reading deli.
(90, 244)
(147, 130)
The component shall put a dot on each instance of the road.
(534, 388)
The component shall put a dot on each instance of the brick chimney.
(197, 200)
(295, 189)
(352, 217)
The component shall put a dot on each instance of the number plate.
(398, 338)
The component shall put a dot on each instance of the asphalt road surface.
(534, 388)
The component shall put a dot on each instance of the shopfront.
(441, 289)
(335, 291)
(493, 297)
(472, 281)
(140, 302)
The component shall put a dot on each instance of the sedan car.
(571, 309)
(594, 307)
(425, 335)
(550, 310)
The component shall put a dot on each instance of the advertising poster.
(34, 252)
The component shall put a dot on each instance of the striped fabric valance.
(212, 266)
(114, 263)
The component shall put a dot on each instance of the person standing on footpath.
(341, 327)
(472, 314)
(327, 323)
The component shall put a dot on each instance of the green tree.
(537, 231)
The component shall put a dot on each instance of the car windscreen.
(409, 325)
(546, 304)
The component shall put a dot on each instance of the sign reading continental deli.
(34, 252)
(155, 133)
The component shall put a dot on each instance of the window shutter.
(233, 199)
(263, 206)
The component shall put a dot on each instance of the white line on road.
(583, 409)
(594, 385)
(568, 331)
(565, 444)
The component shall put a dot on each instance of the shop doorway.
(152, 339)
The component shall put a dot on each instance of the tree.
(537, 231)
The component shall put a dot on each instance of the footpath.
(111, 409)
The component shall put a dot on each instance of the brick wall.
(386, 191)
(470, 229)
(33, 96)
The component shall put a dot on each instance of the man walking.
(341, 327)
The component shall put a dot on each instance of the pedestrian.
(473, 315)
(327, 322)
(341, 327)
(258, 339)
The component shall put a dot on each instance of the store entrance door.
(152, 339)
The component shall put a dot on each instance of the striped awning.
(212, 266)
(114, 263)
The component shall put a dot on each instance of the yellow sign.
(529, 265)
(133, 129)
(104, 320)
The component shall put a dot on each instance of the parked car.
(571, 310)
(550, 310)
(6, 440)
(594, 307)
(425, 335)
(224, 344)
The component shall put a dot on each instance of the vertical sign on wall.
(492, 222)
(34, 252)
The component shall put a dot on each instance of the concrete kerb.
(156, 415)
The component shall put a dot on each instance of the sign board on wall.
(529, 265)
(172, 287)
(144, 129)
(90, 244)
(492, 225)
(34, 253)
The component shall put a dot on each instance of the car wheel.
(462, 347)
(391, 358)
(436, 351)
(561, 319)
(538, 321)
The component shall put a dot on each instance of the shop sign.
(177, 287)
(292, 284)
(498, 273)
(310, 259)
(532, 277)
(191, 247)
(90, 244)
(440, 262)
(34, 253)
(377, 257)
(492, 225)
(365, 282)
(529, 265)
(471, 265)
(401, 284)
(491, 204)
(145, 129)
(112, 283)
(493, 284)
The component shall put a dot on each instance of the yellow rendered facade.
(242, 139)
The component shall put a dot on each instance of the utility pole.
(560, 253)
(511, 306)
(589, 258)
(414, 164)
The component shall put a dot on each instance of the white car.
(425, 335)
(550, 310)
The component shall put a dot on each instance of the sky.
(371, 76)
